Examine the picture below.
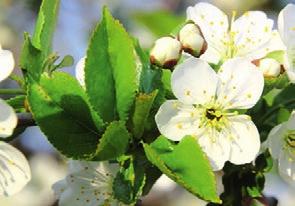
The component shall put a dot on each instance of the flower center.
(213, 114)
(214, 117)
(290, 139)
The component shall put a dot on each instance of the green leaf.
(35, 51)
(45, 25)
(18, 103)
(270, 96)
(31, 60)
(129, 181)
(286, 98)
(264, 162)
(242, 182)
(257, 203)
(122, 188)
(160, 23)
(150, 77)
(186, 164)
(152, 175)
(143, 105)
(67, 61)
(50, 65)
(110, 70)
(113, 143)
(254, 184)
(283, 115)
(62, 111)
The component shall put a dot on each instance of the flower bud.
(192, 40)
(270, 67)
(166, 52)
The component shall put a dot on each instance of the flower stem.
(12, 91)
(25, 119)
(18, 79)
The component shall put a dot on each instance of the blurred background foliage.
(145, 20)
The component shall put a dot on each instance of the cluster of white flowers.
(14, 171)
(208, 101)
(250, 36)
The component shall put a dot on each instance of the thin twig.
(25, 119)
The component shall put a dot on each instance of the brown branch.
(25, 120)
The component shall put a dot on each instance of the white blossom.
(80, 71)
(192, 40)
(166, 52)
(6, 62)
(14, 171)
(205, 109)
(87, 184)
(286, 24)
(281, 143)
(270, 67)
(250, 36)
(8, 119)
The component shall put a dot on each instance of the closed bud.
(192, 40)
(166, 52)
(270, 67)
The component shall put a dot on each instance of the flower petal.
(213, 23)
(289, 62)
(8, 119)
(211, 56)
(253, 32)
(286, 24)
(59, 187)
(74, 197)
(194, 82)
(274, 44)
(6, 64)
(93, 175)
(217, 147)
(275, 140)
(80, 73)
(14, 171)
(241, 84)
(88, 183)
(287, 166)
(175, 120)
(245, 140)
(286, 27)
(290, 125)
